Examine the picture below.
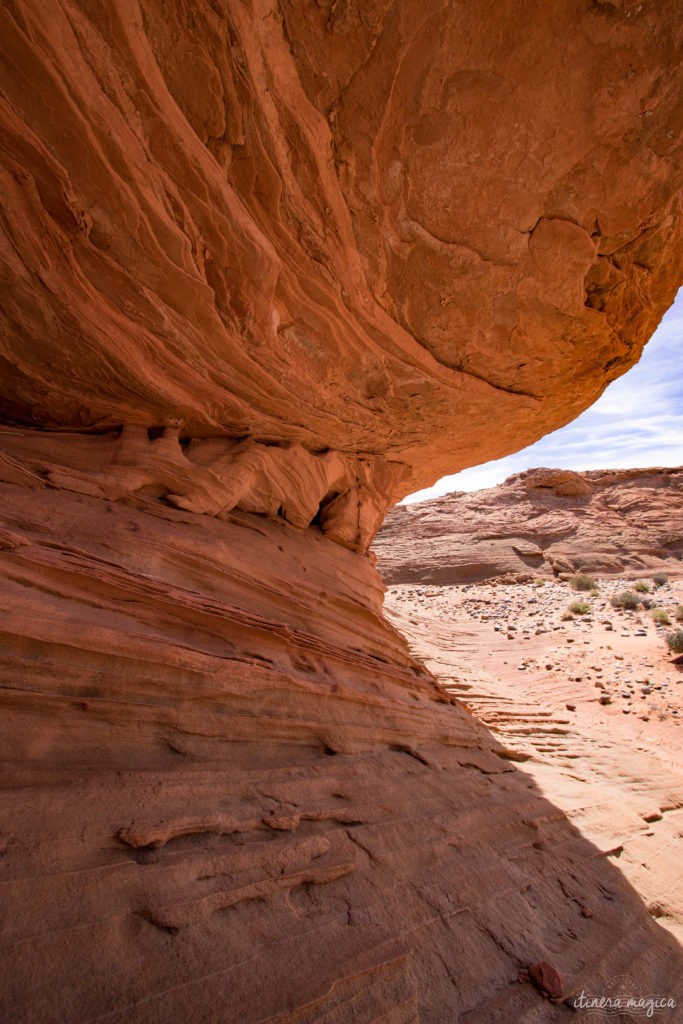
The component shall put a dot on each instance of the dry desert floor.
(591, 707)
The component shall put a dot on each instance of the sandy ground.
(591, 707)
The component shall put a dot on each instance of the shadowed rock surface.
(264, 270)
(235, 796)
(372, 229)
(540, 522)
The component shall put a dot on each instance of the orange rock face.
(230, 794)
(541, 522)
(264, 269)
(368, 229)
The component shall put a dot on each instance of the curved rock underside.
(371, 228)
(538, 523)
(264, 269)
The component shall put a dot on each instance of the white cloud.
(637, 422)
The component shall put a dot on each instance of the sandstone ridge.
(540, 522)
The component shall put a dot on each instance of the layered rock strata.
(590, 706)
(231, 796)
(543, 522)
(370, 229)
(346, 496)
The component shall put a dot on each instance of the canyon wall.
(265, 269)
(230, 794)
(542, 522)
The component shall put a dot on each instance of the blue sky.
(637, 422)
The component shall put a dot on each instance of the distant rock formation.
(540, 522)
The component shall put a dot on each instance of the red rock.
(373, 234)
(266, 269)
(603, 521)
(547, 979)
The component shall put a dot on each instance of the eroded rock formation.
(264, 269)
(538, 523)
(230, 794)
(363, 228)
(345, 495)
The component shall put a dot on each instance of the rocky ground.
(591, 706)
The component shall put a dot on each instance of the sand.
(591, 707)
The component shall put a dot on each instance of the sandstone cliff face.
(541, 522)
(265, 269)
(232, 795)
(374, 230)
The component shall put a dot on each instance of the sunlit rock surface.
(543, 522)
(375, 229)
(265, 269)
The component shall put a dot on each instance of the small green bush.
(679, 613)
(579, 607)
(659, 579)
(641, 587)
(626, 599)
(661, 617)
(583, 582)
(675, 642)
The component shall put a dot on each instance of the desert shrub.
(626, 599)
(579, 607)
(659, 579)
(583, 582)
(641, 587)
(679, 613)
(567, 617)
(674, 642)
(661, 617)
